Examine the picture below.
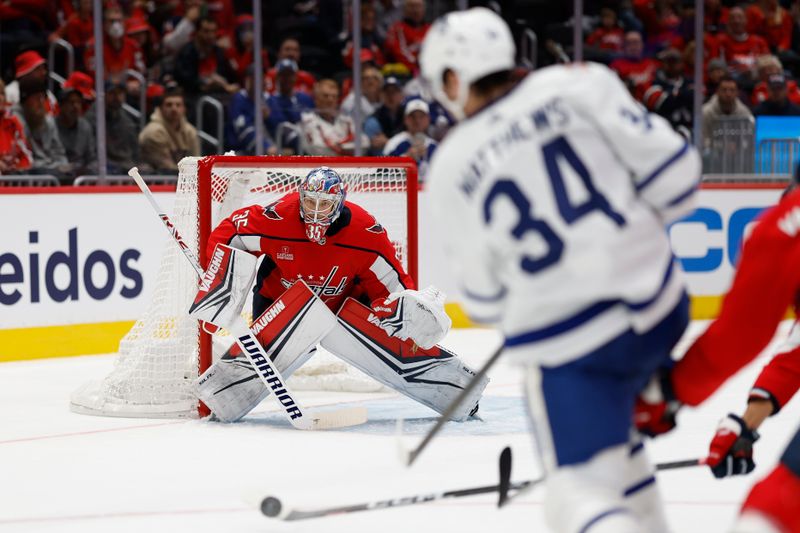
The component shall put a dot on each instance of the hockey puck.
(271, 506)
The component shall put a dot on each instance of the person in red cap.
(84, 84)
(29, 65)
(40, 128)
(138, 29)
(15, 154)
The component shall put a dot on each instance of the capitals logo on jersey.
(271, 212)
(322, 286)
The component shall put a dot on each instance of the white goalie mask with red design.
(322, 194)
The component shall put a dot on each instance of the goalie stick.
(409, 456)
(505, 476)
(252, 349)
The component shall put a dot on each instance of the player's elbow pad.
(671, 189)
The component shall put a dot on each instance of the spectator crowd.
(173, 53)
(176, 54)
(750, 57)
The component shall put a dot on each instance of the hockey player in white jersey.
(554, 196)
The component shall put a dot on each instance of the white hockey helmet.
(473, 44)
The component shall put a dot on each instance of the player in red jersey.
(766, 284)
(340, 251)
(350, 255)
(740, 48)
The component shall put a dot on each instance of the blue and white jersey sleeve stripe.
(664, 167)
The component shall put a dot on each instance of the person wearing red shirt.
(15, 154)
(120, 52)
(740, 48)
(732, 455)
(78, 29)
(767, 66)
(765, 285)
(339, 251)
(609, 35)
(240, 54)
(635, 70)
(350, 255)
(138, 29)
(405, 36)
(370, 41)
(769, 20)
(223, 12)
(304, 81)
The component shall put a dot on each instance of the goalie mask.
(322, 195)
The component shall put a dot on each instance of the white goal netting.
(159, 358)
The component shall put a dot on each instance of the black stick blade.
(505, 476)
(271, 506)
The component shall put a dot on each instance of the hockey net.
(165, 350)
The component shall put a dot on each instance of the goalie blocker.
(292, 326)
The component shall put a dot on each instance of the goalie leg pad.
(433, 377)
(231, 388)
(289, 331)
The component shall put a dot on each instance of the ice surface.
(61, 471)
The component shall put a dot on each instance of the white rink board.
(707, 244)
(120, 225)
(48, 280)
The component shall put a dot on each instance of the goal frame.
(205, 168)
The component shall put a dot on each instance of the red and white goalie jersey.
(356, 259)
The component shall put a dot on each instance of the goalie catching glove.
(415, 315)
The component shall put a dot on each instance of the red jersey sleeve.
(764, 287)
(386, 274)
(383, 273)
(779, 380)
(229, 229)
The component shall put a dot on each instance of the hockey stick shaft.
(413, 454)
(268, 504)
(251, 347)
(505, 470)
(173, 231)
(680, 464)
